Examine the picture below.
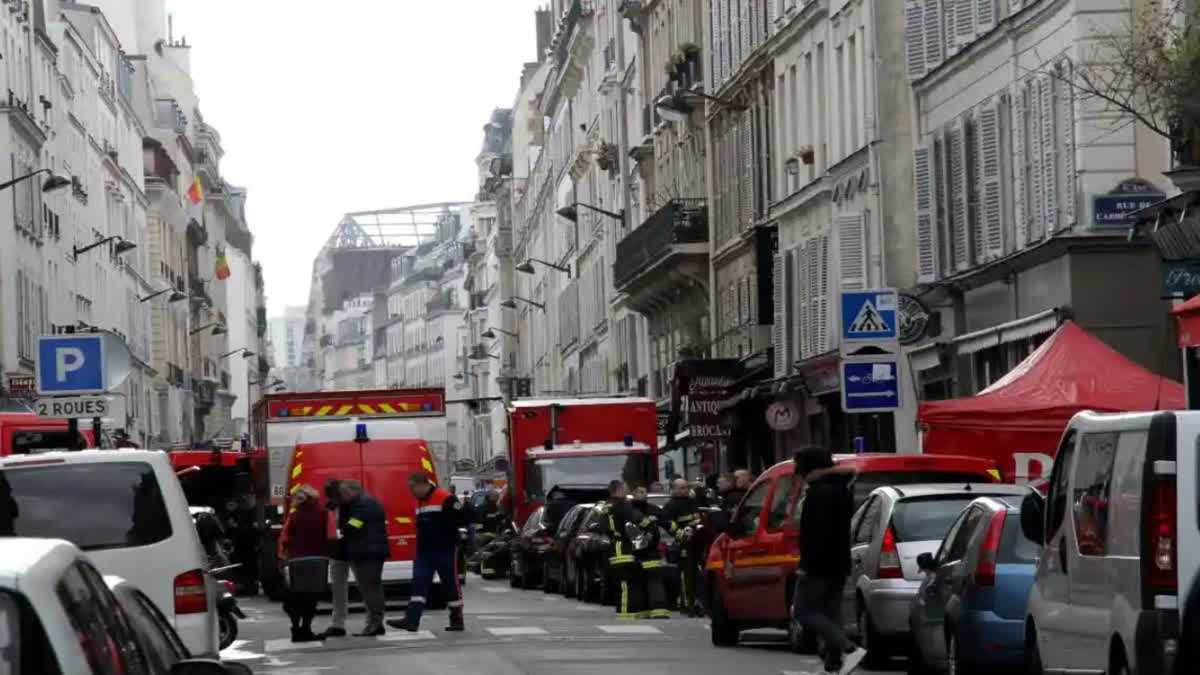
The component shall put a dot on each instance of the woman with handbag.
(305, 548)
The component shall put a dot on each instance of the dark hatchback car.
(529, 551)
(557, 574)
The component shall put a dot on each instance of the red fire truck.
(278, 419)
(578, 445)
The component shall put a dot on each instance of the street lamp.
(527, 266)
(490, 333)
(217, 328)
(56, 181)
(246, 353)
(176, 296)
(123, 246)
(274, 383)
(511, 303)
(676, 107)
(571, 212)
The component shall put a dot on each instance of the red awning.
(1026, 411)
(1188, 316)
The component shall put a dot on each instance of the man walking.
(825, 556)
(339, 570)
(439, 515)
(365, 545)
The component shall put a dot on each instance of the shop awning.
(1188, 316)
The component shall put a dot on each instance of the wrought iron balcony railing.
(679, 221)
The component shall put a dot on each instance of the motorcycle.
(228, 611)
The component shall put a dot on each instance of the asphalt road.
(511, 632)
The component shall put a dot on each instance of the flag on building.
(195, 193)
(221, 268)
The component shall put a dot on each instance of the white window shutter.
(949, 12)
(779, 333)
(1016, 100)
(815, 286)
(985, 16)
(1066, 126)
(851, 234)
(964, 22)
(914, 38)
(823, 297)
(926, 210)
(974, 185)
(959, 225)
(1049, 147)
(934, 44)
(1033, 146)
(801, 304)
(991, 210)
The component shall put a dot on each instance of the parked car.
(127, 511)
(66, 621)
(748, 579)
(588, 553)
(529, 551)
(154, 634)
(969, 612)
(558, 573)
(1118, 526)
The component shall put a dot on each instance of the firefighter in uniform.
(654, 600)
(439, 516)
(630, 589)
(679, 514)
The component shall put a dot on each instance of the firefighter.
(679, 515)
(439, 516)
(630, 587)
(649, 559)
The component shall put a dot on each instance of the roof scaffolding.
(403, 227)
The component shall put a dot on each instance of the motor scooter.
(228, 611)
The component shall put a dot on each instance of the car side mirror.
(209, 667)
(1033, 517)
(925, 563)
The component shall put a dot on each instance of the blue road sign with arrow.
(870, 386)
(869, 316)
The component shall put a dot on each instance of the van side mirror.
(925, 562)
(1033, 517)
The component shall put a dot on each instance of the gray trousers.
(817, 606)
(368, 574)
(339, 582)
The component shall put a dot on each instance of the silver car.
(887, 533)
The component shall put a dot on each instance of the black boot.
(456, 620)
(406, 623)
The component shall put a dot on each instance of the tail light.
(889, 557)
(191, 594)
(985, 569)
(1159, 566)
(541, 539)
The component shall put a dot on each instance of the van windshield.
(94, 506)
(585, 471)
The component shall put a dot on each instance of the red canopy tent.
(1188, 316)
(1019, 419)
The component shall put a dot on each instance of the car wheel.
(514, 578)
(547, 585)
(724, 629)
(228, 627)
(566, 585)
(877, 655)
(1033, 656)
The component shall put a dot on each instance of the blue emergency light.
(360, 433)
(629, 440)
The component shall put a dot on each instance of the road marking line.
(588, 608)
(495, 589)
(496, 617)
(629, 629)
(406, 636)
(508, 631)
(285, 644)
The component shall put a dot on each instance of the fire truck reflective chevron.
(348, 404)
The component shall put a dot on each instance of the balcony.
(572, 44)
(666, 256)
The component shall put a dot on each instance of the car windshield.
(585, 471)
(109, 504)
(928, 518)
(1015, 547)
(866, 482)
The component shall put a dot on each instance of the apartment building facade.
(1009, 159)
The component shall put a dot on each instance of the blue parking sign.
(71, 364)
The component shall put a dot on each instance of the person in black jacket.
(556, 508)
(439, 516)
(679, 516)
(825, 556)
(488, 516)
(365, 545)
(625, 569)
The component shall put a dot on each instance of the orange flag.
(195, 193)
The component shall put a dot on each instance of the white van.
(127, 511)
(1105, 598)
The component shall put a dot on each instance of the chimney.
(545, 31)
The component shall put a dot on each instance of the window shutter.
(964, 22)
(803, 299)
(1049, 145)
(790, 336)
(822, 298)
(852, 251)
(950, 12)
(914, 38)
(974, 185)
(1033, 146)
(1016, 101)
(991, 211)
(1066, 125)
(779, 331)
(926, 233)
(934, 44)
(743, 34)
(960, 236)
(985, 16)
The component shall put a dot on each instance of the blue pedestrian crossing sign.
(869, 316)
(870, 386)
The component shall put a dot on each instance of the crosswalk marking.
(508, 631)
(406, 636)
(495, 589)
(281, 644)
(629, 629)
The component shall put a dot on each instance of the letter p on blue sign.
(70, 364)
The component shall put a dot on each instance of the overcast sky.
(330, 106)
